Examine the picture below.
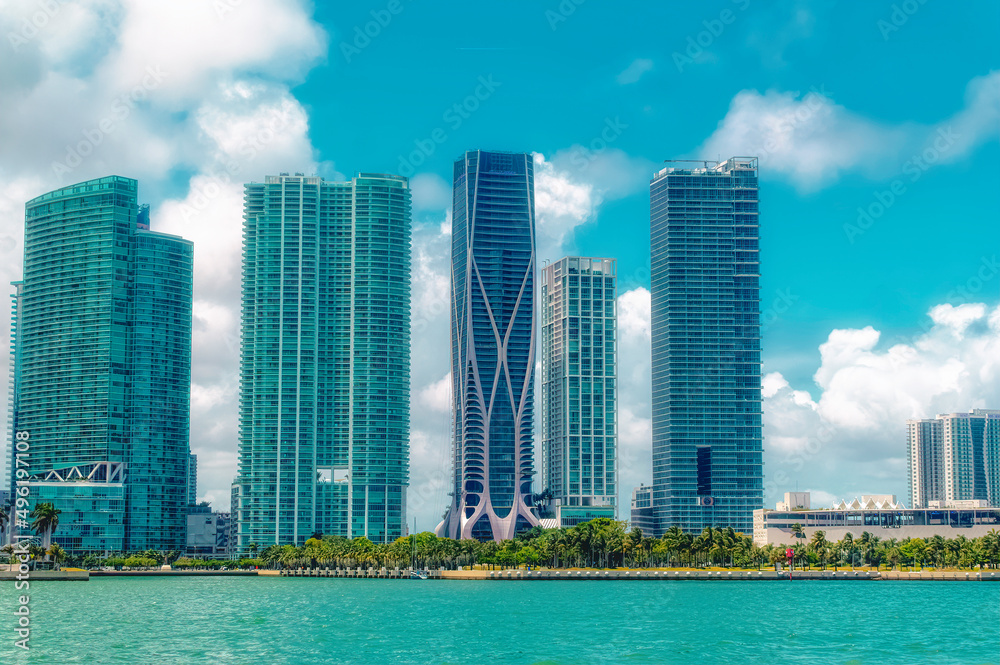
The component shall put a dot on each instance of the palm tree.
(818, 545)
(56, 553)
(797, 531)
(46, 520)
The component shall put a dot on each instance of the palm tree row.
(600, 543)
(606, 543)
(870, 550)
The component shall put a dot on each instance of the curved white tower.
(492, 345)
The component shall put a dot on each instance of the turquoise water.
(303, 621)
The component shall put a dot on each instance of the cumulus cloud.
(634, 71)
(100, 86)
(850, 438)
(429, 191)
(571, 186)
(812, 141)
(635, 428)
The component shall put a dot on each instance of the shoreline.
(539, 575)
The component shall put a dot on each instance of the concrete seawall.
(645, 575)
(46, 575)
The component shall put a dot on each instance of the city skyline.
(860, 173)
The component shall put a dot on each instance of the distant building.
(579, 389)
(102, 354)
(325, 365)
(954, 457)
(234, 510)
(207, 532)
(493, 332)
(642, 510)
(794, 501)
(705, 326)
(880, 515)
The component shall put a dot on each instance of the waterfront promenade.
(535, 575)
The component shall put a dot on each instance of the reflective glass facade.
(325, 368)
(705, 286)
(103, 350)
(492, 345)
(92, 499)
(579, 391)
(955, 457)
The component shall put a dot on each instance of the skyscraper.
(954, 457)
(103, 360)
(325, 366)
(579, 389)
(705, 286)
(492, 345)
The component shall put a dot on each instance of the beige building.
(880, 515)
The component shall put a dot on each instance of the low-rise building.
(643, 516)
(207, 532)
(91, 500)
(879, 515)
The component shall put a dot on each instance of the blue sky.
(890, 107)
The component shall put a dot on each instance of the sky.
(877, 126)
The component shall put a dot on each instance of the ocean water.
(306, 621)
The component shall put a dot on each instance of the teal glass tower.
(493, 329)
(103, 367)
(705, 326)
(325, 365)
(579, 389)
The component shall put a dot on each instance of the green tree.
(46, 520)
(56, 553)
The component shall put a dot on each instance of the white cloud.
(851, 440)
(429, 191)
(635, 429)
(811, 140)
(103, 87)
(571, 186)
(634, 71)
(437, 396)
(634, 314)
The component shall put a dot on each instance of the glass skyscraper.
(705, 286)
(103, 366)
(492, 346)
(579, 389)
(325, 366)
